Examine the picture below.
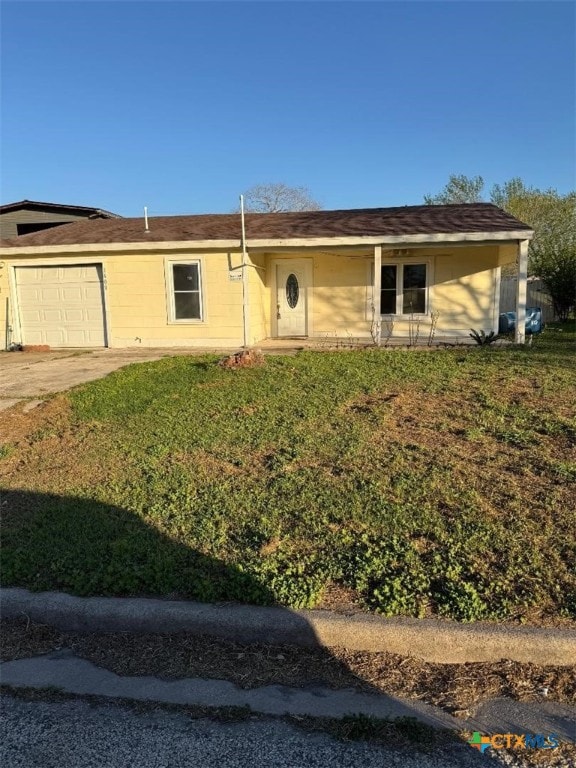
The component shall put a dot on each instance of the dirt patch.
(248, 358)
(454, 687)
(340, 599)
(46, 451)
(494, 458)
(202, 462)
(50, 416)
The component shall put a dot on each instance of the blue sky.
(183, 105)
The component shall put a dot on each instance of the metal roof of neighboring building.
(57, 208)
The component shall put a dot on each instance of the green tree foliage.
(551, 215)
(459, 189)
(557, 269)
(552, 255)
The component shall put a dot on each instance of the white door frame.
(73, 262)
(307, 264)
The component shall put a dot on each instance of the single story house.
(27, 216)
(197, 281)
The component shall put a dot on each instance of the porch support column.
(520, 336)
(376, 295)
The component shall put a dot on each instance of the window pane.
(414, 276)
(414, 291)
(414, 301)
(292, 291)
(389, 276)
(187, 306)
(388, 303)
(185, 277)
(388, 292)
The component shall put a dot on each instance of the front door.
(292, 297)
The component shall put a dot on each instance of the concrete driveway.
(25, 375)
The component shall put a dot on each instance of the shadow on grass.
(85, 547)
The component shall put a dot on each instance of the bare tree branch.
(276, 197)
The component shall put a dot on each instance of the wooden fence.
(537, 296)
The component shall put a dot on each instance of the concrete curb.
(428, 639)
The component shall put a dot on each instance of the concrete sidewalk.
(64, 671)
(427, 639)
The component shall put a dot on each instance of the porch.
(425, 295)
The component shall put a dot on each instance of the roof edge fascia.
(183, 245)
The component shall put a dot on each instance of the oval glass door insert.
(292, 291)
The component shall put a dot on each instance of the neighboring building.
(367, 274)
(29, 216)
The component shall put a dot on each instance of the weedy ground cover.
(421, 482)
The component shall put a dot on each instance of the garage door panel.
(80, 338)
(28, 294)
(30, 317)
(72, 294)
(27, 276)
(91, 316)
(53, 316)
(55, 338)
(61, 306)
(92, 296)
(48, 295)
(75, 316)
(81, 274)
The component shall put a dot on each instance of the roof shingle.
(367, 222)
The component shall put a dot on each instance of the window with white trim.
(185, 289)
(404, 289)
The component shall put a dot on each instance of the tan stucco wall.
(466, 290)
(259, 298)
(464, 293)
(137, 302)
(340, 294)
(136, 298)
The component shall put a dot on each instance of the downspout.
(245, 309)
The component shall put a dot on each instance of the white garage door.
(61, 306)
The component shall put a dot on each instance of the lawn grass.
(432, 482)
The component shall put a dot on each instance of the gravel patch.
(76, 733)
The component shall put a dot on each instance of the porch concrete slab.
(68, 673)
(428, 639)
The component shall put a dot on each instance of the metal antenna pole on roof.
(244, 276)
(146, 219)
